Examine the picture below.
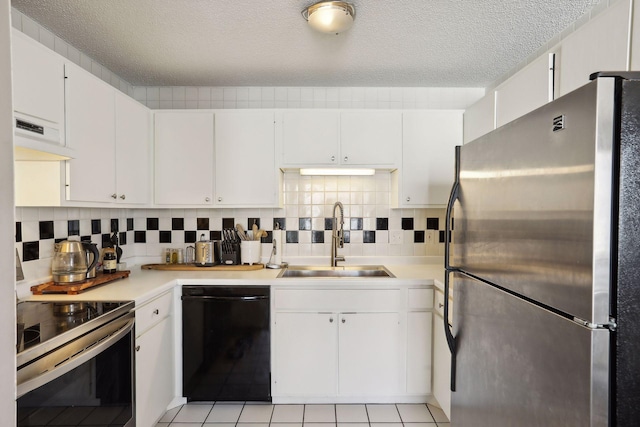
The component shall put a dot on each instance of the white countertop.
(143, 285)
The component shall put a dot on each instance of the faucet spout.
(337, 235)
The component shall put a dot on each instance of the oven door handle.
(70, 356)
(226, 298)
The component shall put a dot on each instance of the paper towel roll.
(277, 243)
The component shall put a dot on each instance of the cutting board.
(76, 288)
(193, 267)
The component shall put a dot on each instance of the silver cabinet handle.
(331, 320)
(408, 199)
(344, 320)
(207, 199)
(346, 159)
(219, 199)
(114, 196)
(137, 348)
(333, 158)
(156, 311)
(440, 305)
(123, 197)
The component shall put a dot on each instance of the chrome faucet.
(337, 236)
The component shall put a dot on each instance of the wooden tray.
(76, 288)
(194, 267)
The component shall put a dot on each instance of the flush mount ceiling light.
(331, 17)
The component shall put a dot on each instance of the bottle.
(109, 261)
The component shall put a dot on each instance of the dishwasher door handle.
(223, 298)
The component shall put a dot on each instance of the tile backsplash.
(371, 227)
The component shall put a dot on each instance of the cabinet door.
(601, 44)
(419, 326)
(183, 158)
(441, 366)
(38, 80)
(479, 119)
(91, 135)
(310, 138)
(428, 156)
(528, 89)
(370, 361)
(245, 168)
(306, 351)
(371, 138)
(154, 373)
(133, 138)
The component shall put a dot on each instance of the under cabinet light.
(337, 171)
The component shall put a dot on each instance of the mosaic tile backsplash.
(371, 227)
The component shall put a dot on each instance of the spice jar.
(109, 262)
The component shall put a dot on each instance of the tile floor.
(225, 414)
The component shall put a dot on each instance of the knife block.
(232, 258)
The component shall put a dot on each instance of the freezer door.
(522, 366)
(534, 210)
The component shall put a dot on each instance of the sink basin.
(301, 271)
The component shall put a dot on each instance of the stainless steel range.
(75, 363)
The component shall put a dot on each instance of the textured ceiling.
(455, 43)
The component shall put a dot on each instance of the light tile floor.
(225, 414)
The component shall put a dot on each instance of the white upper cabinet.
(38, 100)
(183, 157)
(479, 119)
(310, 138)
(133, 150)
(341, 138)
(428, 157)
(245, 165)
(370, 138)
(38, 80)
(601, 44)
(527, 90)
(90, 109)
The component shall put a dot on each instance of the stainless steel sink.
(347, 271)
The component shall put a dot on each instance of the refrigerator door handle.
(451, 340)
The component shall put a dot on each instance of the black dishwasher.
(225, 343)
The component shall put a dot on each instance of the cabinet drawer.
(337, 300)
(420, 299)
(153, 312)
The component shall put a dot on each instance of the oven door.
(88, 381)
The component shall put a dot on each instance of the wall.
(7, 252)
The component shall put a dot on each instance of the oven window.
(98, 393)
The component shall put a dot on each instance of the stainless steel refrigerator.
(544, 265)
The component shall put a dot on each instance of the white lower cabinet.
(441, 361)
(307, 354)
(419, 326)
(370, 354)
(154, 360)
(349, 346)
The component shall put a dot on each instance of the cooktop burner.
(45, 325)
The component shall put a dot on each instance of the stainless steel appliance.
(207, 252)
(69, 263)
(225, 343)
(545, 265)
(75, 363)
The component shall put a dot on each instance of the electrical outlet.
(430, 237)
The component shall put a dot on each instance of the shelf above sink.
(348, 271)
